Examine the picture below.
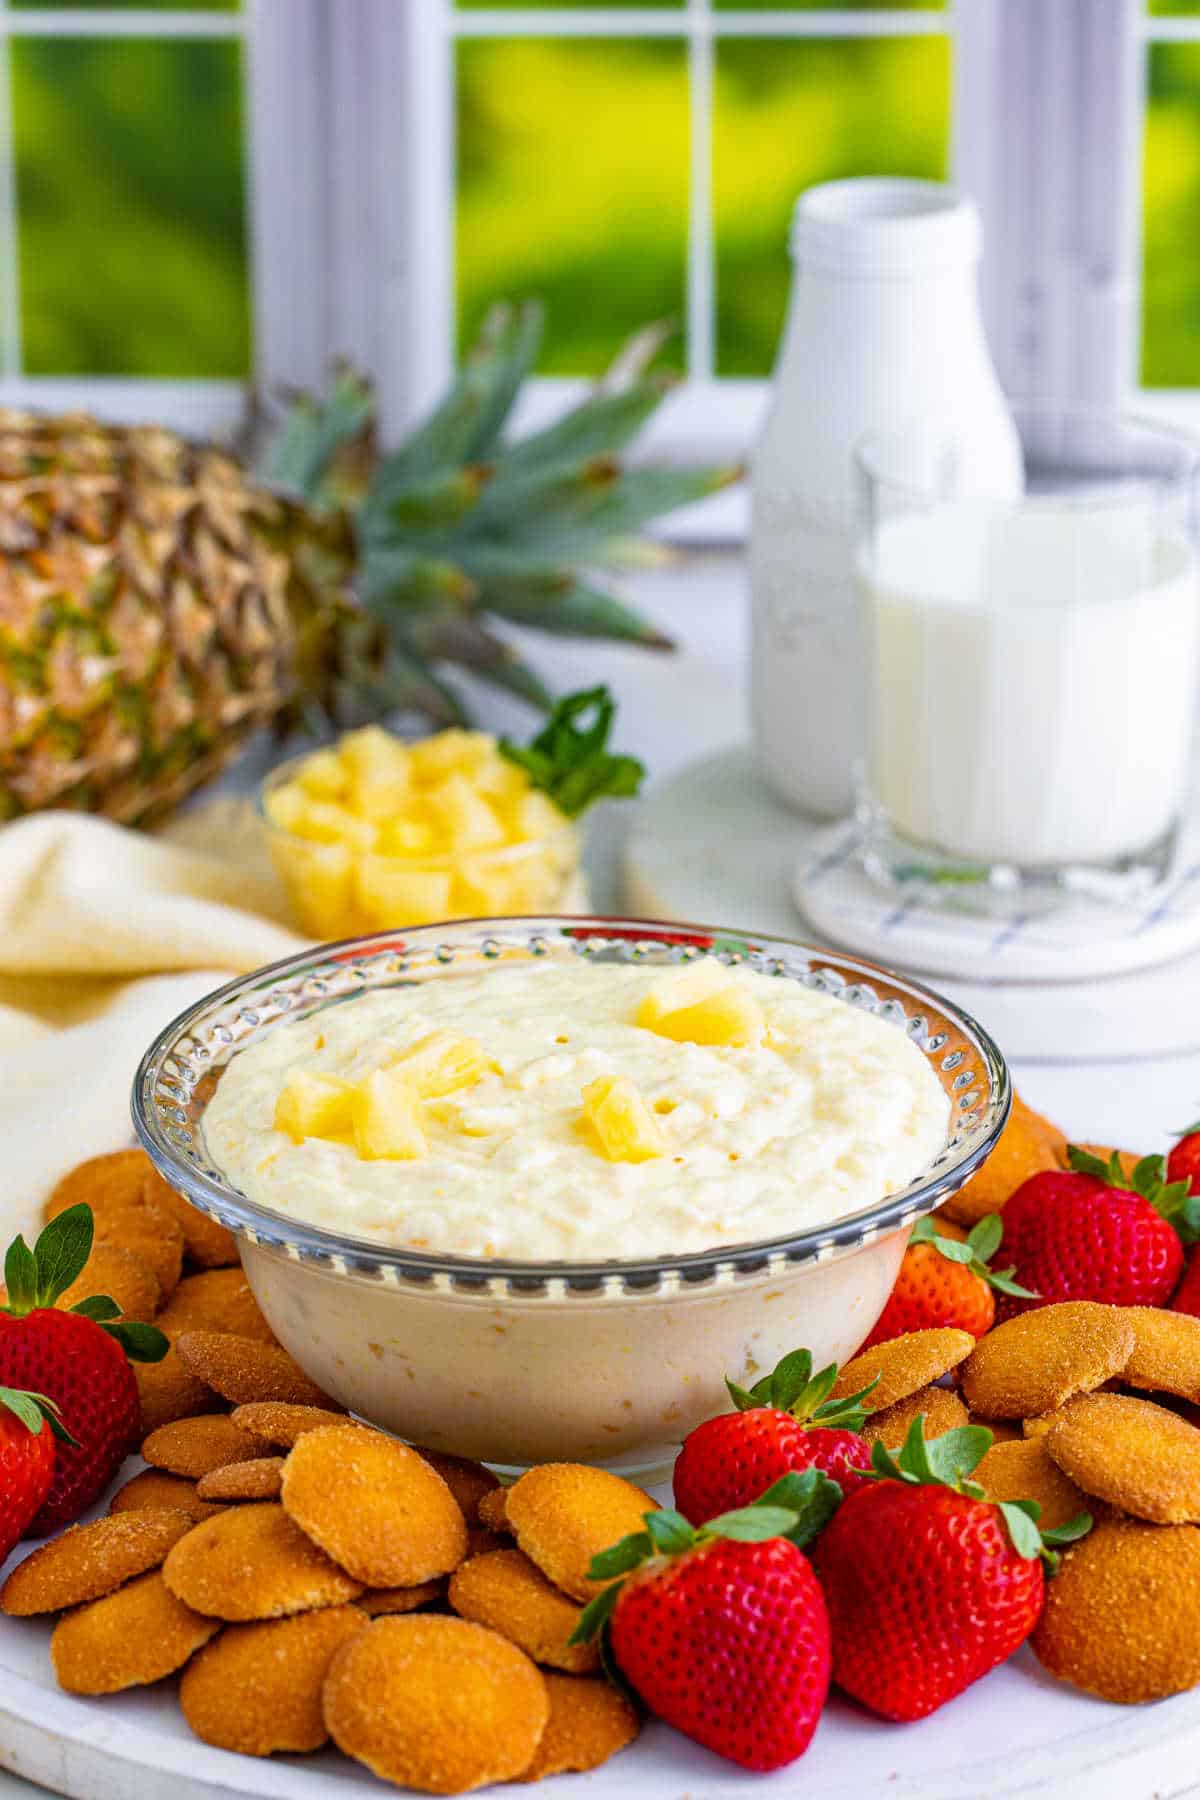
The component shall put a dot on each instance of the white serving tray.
(1016, 1733)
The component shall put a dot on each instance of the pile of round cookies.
(272, 1547)
(309, 1578)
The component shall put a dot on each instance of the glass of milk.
(1032, 662)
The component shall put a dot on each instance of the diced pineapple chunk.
(406, 837)
(442, 1063)
(323, 822)
(379, 772)
(625, 1127)
(465, 816)
(681, 987)
(448, 752)
(730, 1018)
(322, 776)
(386, 1118)
(319, 881)
(285, 806)
(313, 1106)
(398, 896)
(536, 816)
(503, 782)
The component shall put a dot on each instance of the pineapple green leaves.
(463, 529)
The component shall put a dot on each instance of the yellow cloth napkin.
(105, 935)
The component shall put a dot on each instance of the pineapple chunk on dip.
(783, 1109)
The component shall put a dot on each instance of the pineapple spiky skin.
(159, 604)
(146, 615)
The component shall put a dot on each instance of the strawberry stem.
(792, 1387)
(36, 1278)
(982, 1243)
(949, 1461)
(34, 1412)
(796, 1507)
(1172, 1200)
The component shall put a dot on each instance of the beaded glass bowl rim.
(168, 1101)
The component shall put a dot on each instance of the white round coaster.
(712, 845)
(1071, 941)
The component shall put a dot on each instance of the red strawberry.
(80, 1359)
(27, 1431)
(945, 1280)
(1187, 1294)
(723, 1632)
(1183, 1163)
(785, 1422)
(928, 1584)
(1087, 1234)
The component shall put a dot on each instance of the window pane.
(1171, 203)
(572, 185)
(129, 5)
(830, 5)
(131, 216)
(788, 113)
(560, 5)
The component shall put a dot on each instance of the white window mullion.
(701, 270)
(1052, 174)
(10, 284)
(286, 129)
(422, 210)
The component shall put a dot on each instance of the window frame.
(287, 120)
(707, 418)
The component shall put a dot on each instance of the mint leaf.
(569, 758)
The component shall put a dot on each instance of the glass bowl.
(516, 1362)
(337, 890)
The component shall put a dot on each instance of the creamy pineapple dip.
(832, 1110)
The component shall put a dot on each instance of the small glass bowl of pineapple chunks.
(375, 832)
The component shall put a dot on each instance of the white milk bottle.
(883, 330)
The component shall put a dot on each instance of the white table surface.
(676, 709)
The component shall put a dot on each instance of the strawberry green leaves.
(946, 1461)
(792, 1387)
(34, 1412)
(1028, 1540)
(1172, 1200)
(950, 1461)
(796, 1507)
(569, 758)
(35, 1278)
(982, 1243)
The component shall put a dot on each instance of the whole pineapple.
(158, 603)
